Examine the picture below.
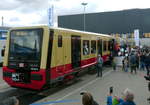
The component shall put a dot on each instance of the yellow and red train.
(38, 56)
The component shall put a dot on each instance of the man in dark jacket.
(147, 62)
(133, 62)
(142, 64)
(148, 79)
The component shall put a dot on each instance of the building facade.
(119, 23)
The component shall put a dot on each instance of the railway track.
(24, 95)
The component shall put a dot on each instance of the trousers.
(99, 71)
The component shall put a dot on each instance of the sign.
(124, 36)
(136, 37)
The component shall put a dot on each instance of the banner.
(136, 37)
(51, 16)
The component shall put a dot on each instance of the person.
(87, 99)
(99, 65)
(148, 79)
(142, 64)
(123, 68)
(114, 63)
(147, 63)
(3, 51)
(133, 62)
(111, 57)
(127, 99)
(122, 51)
(119, 53)
(126, 64)
(85, 48)
(10, 101)
(109, 96)
(137, 60)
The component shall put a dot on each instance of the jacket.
(132, 59)
(127, 103)
(99, 61)
(94, 103)
(147, 60)
(122, 102)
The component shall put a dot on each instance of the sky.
(35, 12)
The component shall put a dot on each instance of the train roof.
(64, 29)
(78, 31)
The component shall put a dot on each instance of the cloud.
(9, 4)
(31, 12)
(43, 17)
(24, 6)
(14, 19)
(74, 7)
(31, 6)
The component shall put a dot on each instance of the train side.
(63, 53)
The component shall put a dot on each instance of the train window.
(93, 46)
(86, 48)
(59, 41)
(105, 45)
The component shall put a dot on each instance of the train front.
(23, 58)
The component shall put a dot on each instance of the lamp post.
(2, 21)
(84, 5)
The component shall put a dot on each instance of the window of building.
(86, 49)
(59, 40)
(93, 46)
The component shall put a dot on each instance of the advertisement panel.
(136, 37)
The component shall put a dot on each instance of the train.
(39, 56)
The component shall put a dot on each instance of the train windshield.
(25, 44)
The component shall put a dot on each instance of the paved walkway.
(1, 76)
(99, 88)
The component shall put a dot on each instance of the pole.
(2, 21)
(84, 25)
(84, 18)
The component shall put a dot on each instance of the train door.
(99, 46)
(49, 57)
(66, 50)
(76, 51)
